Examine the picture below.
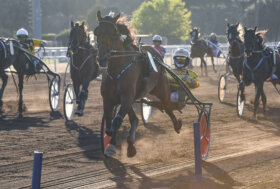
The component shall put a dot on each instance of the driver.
(190, 78)
(157, 40)
(214, 44)
(30, 44)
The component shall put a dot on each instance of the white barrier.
(54, 55)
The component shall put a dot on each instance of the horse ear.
(255, 28)
(83, 24)
(99, 17)
(72, 24)
(237, 24)
(117, 17)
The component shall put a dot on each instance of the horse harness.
(252, 70)
(85, 61)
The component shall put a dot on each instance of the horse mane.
(124, 27)
(198, 31)
(261, 36)
(240, 30)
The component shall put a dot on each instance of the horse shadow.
(185, 180)
(87, 139)
(8, 123)
(119, 172)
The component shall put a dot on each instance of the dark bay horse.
(236, 50)
(122, 83)
(83, 67)
(199, 48)
(19, 60)
(258, 65)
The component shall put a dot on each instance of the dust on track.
(72, 149)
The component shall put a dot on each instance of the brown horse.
(123, 82)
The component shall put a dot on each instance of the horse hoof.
(79, 112)
(253, 118)
(20, 116)
(110, 151)
(178, 126)
(131, 150)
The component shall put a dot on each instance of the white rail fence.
(56, 56)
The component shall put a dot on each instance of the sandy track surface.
(243, 154)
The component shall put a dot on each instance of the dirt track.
(243, 154)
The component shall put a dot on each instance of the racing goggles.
(183, 58)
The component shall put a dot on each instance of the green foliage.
(63, 36)
(49, 36)
(163, 17)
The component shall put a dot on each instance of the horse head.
(108, 37)
(250, 40)
(195, 33)
(78, 37)
(232, 32)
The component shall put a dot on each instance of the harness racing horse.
(122, 83)
(22, 62)
(258, 66)
(83, 67)
(236, 50)
(199, 48)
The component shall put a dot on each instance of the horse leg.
(83, 95)
(163, 93)
(201, 66)
(258, 91)
(126, 104)
(131, 151)
(205, 65)
(213, 64)
(76, 86)
(20, 88)
(4, 77)
(264, 102)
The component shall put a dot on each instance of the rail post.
(37, 170)
(197, 150)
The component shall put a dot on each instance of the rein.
(121, 73)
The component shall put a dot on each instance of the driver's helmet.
(278, 46)
(213, 36)
(157, 38)
(22, 34)
(181, 58)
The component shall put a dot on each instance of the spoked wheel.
(240, 104)
(105, 139)
(54, 94)
(69, 102)
(222, 88)
(205, 130)
(146, 112)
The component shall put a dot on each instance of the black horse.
(236, 50)
(199, 48)
(258, 66)
(12, 54)
(84, 67)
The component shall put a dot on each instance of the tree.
(169, 18)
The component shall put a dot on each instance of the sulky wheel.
(222, 86)
(69, 102)
(146, 112)
(54, 94)
(205, 130)
(105, 139)
(240, 102)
